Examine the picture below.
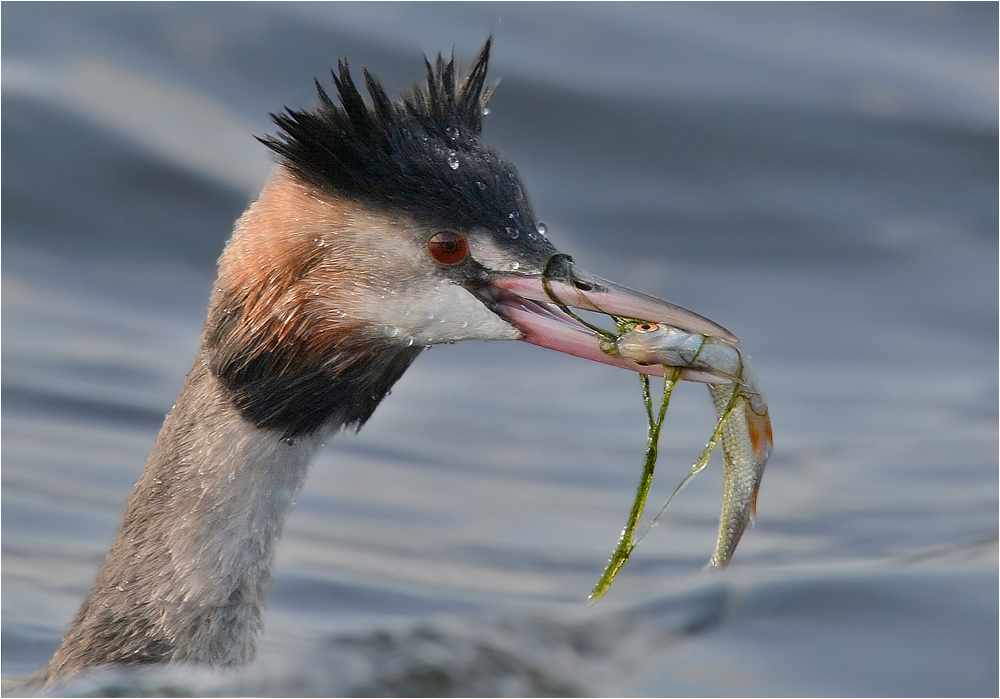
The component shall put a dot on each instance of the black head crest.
(419, 154)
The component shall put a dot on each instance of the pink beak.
(525, 304)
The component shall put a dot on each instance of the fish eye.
(646, 327)
(448, 247)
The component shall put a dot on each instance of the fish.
(652, 343)
(744, 421)
(746, 444)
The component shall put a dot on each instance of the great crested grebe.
(384, 229)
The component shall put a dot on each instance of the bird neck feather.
(284, 334)
(278, 370)
(186, 578)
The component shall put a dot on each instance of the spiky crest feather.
(420, 154)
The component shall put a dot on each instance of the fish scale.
(743, 471)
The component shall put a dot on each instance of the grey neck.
(186, 579)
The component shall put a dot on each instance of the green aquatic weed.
(702, 461)
(628, 542)
(566, 262)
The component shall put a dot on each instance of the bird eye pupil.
(448, 247)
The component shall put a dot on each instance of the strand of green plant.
(627, 542)
(547, 285)
(702, 461)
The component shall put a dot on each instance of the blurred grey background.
(822, 179)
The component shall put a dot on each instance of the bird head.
(386, 228)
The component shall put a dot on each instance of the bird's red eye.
(646, 327)
(448, 247)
